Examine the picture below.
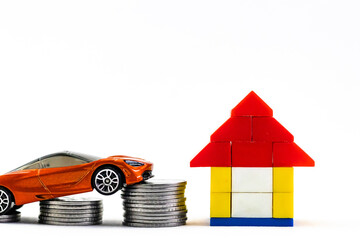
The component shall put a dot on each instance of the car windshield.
(35, 164)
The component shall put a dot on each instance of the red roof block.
(252, 105)
(234, 129)
(213, 155)
(269, 130)
(290, 155)
(251, 154)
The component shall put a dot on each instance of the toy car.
(67, 173)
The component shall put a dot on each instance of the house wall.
(252, 192)
(220, 192)
(283, 206)
(243, 192)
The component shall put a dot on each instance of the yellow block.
(220, 179)
(220, 205)
(283, 179)
(283, 205)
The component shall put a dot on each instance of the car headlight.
(133, 163)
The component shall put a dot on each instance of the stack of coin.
(155, 203)
(13, 216)
(71, 211)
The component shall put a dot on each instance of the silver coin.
(130, 194)
(160, 189)
(72, 201)
(70, 220)
(156, 221)
(15, 219)
(167, 205)
(71, 211)
(139, 217)
(153, 190)
(155, 214)
(65, 205)
(71, 215)
(71, 207)
(10, 217)
(167, 209)
(154, 217)
(151, 197)
(147, 225)
(6, 217)
(76, 204)
(84, 223)
(147, 201)
(153, 182)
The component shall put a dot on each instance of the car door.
(27, 185)
(61, 174)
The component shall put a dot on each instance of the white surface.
(252, 179)
(155, 78)
(251, 205)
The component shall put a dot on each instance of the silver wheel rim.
(107, 181)
(4, 201)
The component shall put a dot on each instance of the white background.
(155, 78)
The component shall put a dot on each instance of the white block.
(252, 179)
(251, 205)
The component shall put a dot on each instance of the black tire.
(6, 201)
(107, 180)
(16, 207)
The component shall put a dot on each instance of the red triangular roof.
(215, 154)
(251, 122)
(252, 105)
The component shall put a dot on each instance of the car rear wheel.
(6, 201)
(107, 180)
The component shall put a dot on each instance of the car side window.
(34, 165)
(60, 161)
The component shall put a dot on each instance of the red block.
(234, 129)
(290, 155)
(267, 129)
(213, 155)
(251, 154)
(252, 105)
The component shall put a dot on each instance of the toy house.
(251, 157)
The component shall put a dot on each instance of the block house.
(251, 157)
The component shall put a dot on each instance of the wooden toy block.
(251, 154)
(220, 179)
(213, 155)
(267, 129)
(252, 179)
(252, 105)
(254, 222)
(283, 179)
(248, 205)
(220, 205)
(283, 205)
(289, 155)
(234, 129)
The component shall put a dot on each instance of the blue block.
(256, 222)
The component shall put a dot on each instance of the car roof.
(84, 157)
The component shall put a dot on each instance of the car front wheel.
(6, 201)
(107, 180)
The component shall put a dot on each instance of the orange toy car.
(67, 173)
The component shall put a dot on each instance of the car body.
(67, 173)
